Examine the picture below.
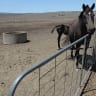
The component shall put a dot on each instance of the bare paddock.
(49, 80)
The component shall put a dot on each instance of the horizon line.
(35, 12)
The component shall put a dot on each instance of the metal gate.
(55, 75)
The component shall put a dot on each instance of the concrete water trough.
(14, 37)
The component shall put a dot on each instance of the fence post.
(83, 60)
(39, 82)
(55, 79)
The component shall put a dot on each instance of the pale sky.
(37, 6)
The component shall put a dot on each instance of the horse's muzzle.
(91, 31)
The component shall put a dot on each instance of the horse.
(61, 29)
(83, 25)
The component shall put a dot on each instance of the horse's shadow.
(89, 61)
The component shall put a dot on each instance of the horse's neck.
(75, 25)
(77, 28)
(83, 28)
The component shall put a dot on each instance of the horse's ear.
(84, 6)
(93, 6)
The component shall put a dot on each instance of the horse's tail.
(55, 28)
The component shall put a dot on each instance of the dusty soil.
(16, 58)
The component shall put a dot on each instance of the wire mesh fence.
(56, 75)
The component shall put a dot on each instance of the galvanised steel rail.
(39, 64)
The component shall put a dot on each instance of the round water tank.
(14, 37)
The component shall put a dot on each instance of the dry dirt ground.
(17, 57)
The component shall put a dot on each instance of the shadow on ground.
(88, 62)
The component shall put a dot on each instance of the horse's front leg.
(77, 57)
(72, 52)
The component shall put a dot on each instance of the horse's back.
(75, 31)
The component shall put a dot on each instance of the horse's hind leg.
(59, 37)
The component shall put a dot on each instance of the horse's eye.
(92, 15)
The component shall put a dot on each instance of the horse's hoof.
(70, 57)
(59, 48)
(90, 47)
(78, 68)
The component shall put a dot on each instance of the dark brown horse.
(61, 29)
(83, 25)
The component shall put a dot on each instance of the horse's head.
(87, 17)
